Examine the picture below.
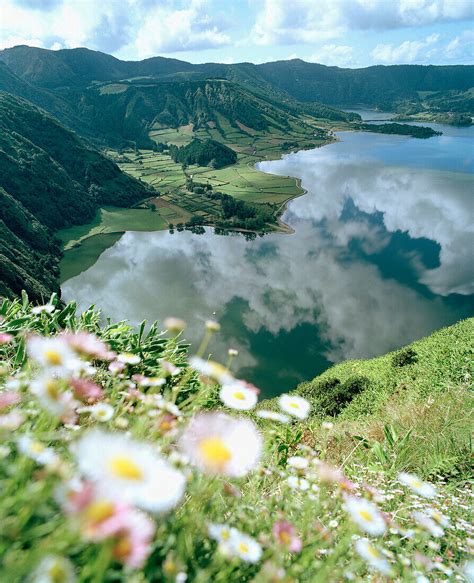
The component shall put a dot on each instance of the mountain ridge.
(296, 78)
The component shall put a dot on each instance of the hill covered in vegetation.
(204, 153)
(117, 103)
(124, 459)
(397, 87)
(48, 180)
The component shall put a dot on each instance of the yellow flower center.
(123, 548)
(99, 511)
(285, 537)
(239, 395)
(52, 389)
(243, 548)
(57, 573)
(373, 552)
(225, 534)
(215, 452)
(416, 484)
(294, 405)
(366, 515)
(37, 447)
(53, 357)
(124, 467)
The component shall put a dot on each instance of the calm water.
(381, 255)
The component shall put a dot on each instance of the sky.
(346, 33)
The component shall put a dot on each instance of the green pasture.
(112, 220)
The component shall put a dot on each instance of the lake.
(381, 255)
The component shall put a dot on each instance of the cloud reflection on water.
(310, 277)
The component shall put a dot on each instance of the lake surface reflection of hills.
(381, 255)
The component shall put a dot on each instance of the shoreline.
(71, 245)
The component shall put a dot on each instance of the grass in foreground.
(121, 459)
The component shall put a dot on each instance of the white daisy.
(213, 326)
(46, 309)
(50, 393)
(168, 367)
(174, 324)
(213, 370)
(438, 517)
(55, 354)
(296, 483)
(221, 532)
(428, 524)
(294, 405)
(151, 382)
(297, 462)
(372, 555)
(129, 470)
(237, 396)
(54, 569)
(366, 515)
(101, 411)
(245, 547)
(220, 444)
(128, 358)
(273, 416)
(418, 486)
(36, 451)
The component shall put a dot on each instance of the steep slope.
(48, 180)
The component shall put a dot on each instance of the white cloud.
(166, 31)
(461, 48)
(308, 21)
(406, 52)
(331, 54)
(136, 27)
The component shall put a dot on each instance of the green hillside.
(378, 86)
(48, 180)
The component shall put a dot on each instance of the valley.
(236, 298)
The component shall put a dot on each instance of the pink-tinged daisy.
(89, 345)
(285, 534)
(5, 338)
(8, 398)
(86, 390)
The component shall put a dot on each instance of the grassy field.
(423, 390)
(112, 220)
(174, 204)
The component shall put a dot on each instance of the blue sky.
(348, 33)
